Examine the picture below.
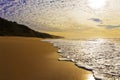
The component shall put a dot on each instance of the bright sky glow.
(96, 4)
(62, 15)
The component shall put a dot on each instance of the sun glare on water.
(96, 4)
(90, 77)
(100, 40)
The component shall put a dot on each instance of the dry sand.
(31, 59)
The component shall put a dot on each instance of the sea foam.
(101, 56)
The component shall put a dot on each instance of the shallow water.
(101, 56)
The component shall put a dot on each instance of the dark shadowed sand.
(31, 59)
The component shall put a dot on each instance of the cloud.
(50, 13)
(96, 20)
(110, 26)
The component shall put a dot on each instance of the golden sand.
(32, 59)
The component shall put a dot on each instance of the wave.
(101, 56)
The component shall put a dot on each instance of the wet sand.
(31, 59)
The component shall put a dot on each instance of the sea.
(101, 56)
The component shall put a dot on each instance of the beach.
(101, 56)
(31, 59)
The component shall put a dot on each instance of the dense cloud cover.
(56, 15)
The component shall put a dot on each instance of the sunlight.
(96, 4)
(100, 40)
(91, 77)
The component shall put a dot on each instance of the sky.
(64, 15)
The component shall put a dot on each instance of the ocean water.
(101, 56)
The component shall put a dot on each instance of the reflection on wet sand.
(31, 59)
(101, 56)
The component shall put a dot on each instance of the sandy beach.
(32, 59)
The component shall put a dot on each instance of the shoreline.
(32, 59)
(61, 58)
(69, 53)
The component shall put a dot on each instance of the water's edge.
(66, 59)
(100, 56)
(79, 66)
